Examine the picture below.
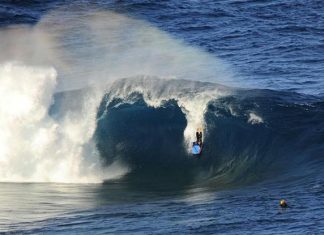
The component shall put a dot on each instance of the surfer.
(197, 145)
(199, 137)
(283, 203)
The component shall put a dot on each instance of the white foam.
(254, 119)
(33, 146)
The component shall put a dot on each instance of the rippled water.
(109, 208)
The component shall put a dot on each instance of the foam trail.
(33, 146)
(191, 97)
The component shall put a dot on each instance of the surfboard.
(196, 149)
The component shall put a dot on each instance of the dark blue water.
(66, 209)
(273, 44)
(263, 143)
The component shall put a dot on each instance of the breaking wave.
(249, 135)
(95, 96)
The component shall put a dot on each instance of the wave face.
(249, 135)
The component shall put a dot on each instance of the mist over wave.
(94, 47)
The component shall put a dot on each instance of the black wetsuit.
(199, 137)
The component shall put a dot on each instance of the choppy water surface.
(55, 208)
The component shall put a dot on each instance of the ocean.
(100, 102)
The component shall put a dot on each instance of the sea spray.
(33, 146)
